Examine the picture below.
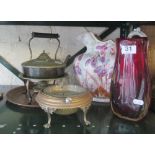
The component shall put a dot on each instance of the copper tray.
(17, 96)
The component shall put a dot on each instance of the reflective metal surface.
(43, 67)
(28, 121)
(36, 72)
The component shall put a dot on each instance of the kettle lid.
(43, 61)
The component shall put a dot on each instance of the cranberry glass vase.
(130, 86)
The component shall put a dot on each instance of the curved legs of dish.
(85, 109)
(49, 112)
(48, 124)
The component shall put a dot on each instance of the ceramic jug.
(131, 87)
(94, 68)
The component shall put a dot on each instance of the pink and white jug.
(94, 68)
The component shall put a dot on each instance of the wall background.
(14, 46)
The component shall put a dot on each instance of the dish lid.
(43, 61)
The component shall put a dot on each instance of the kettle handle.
(44, 35)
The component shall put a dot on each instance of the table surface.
(17, 120)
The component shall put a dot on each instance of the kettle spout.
(67, 60)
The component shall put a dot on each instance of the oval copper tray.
(18, 97)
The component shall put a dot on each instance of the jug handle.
(137, 32)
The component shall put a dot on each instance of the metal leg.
(49, 112)
(61, 83)
(28, 91)
(1, 96)
(84, 115)
(54, 82)
(48, 124)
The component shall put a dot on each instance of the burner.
(41, 85)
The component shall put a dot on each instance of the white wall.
(14, 46)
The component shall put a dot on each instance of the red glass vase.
(130, 86)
